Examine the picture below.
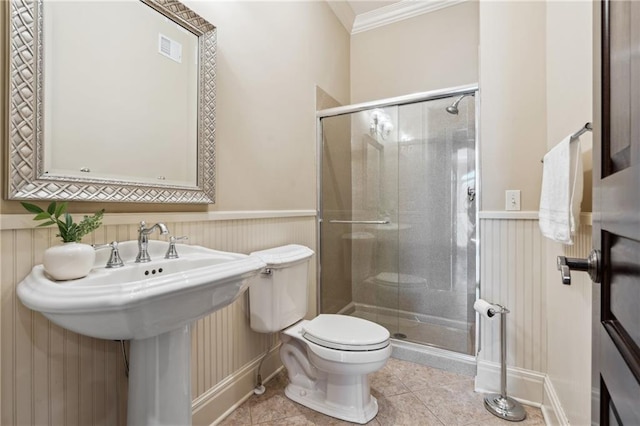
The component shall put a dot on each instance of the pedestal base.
(160, 380)
(504, 407)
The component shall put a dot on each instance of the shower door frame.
(398, 101)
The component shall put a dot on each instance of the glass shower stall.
(397, 209)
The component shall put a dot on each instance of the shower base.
(434, 357)
(441, 333)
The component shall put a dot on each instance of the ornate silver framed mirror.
(122, 131)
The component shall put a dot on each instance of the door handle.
(591, 265)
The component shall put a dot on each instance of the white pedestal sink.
(160, 379)
(152, 304)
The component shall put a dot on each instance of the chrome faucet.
(143, 240)
(115, 261)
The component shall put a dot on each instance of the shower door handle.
(362, 222)
(471, 193)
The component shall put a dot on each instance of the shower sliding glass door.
(398, 218)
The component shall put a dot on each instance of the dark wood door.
(616, 214)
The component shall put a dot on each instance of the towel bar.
(586, 128)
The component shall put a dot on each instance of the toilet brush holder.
(501, 405)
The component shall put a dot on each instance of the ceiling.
(363, 15)
(363, 6)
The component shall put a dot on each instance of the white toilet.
(327, 358)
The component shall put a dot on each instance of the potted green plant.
(72, 259)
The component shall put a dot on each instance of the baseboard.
(218, 402)
(551, 407)
(434, 357)
(526, 386)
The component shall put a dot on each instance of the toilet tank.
(278, 298)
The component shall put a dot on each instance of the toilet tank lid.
(279, 256)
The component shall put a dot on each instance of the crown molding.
(344, 13)
(396, 12)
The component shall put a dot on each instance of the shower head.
(453, 108)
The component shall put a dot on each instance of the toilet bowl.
(328, 358)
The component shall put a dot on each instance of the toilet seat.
(345, 333)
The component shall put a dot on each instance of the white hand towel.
(561, 197)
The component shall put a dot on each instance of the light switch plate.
(512, 197)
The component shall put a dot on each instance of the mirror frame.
(26, 178)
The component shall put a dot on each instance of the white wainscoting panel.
(513, 275)
(548, 327)
(569, 315)
(52, 376)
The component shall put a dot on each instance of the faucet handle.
(115, 261)
(172, 253)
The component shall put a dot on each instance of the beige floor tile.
(455, 404)
(416, 377)
(386, 383)
(534, 418)
(273, 404)
(289, 421)
(407, 394)
(322, 420)
(388, 366)
(241, 416)
(404, 410)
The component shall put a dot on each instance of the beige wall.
(271, 56)
(569, 106)
(569, 79)
(513, 102)
(431, 51)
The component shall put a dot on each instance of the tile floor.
(407, 393)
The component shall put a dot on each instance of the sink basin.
(152, 304)
(141, 300)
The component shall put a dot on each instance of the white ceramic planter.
(69, 261)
